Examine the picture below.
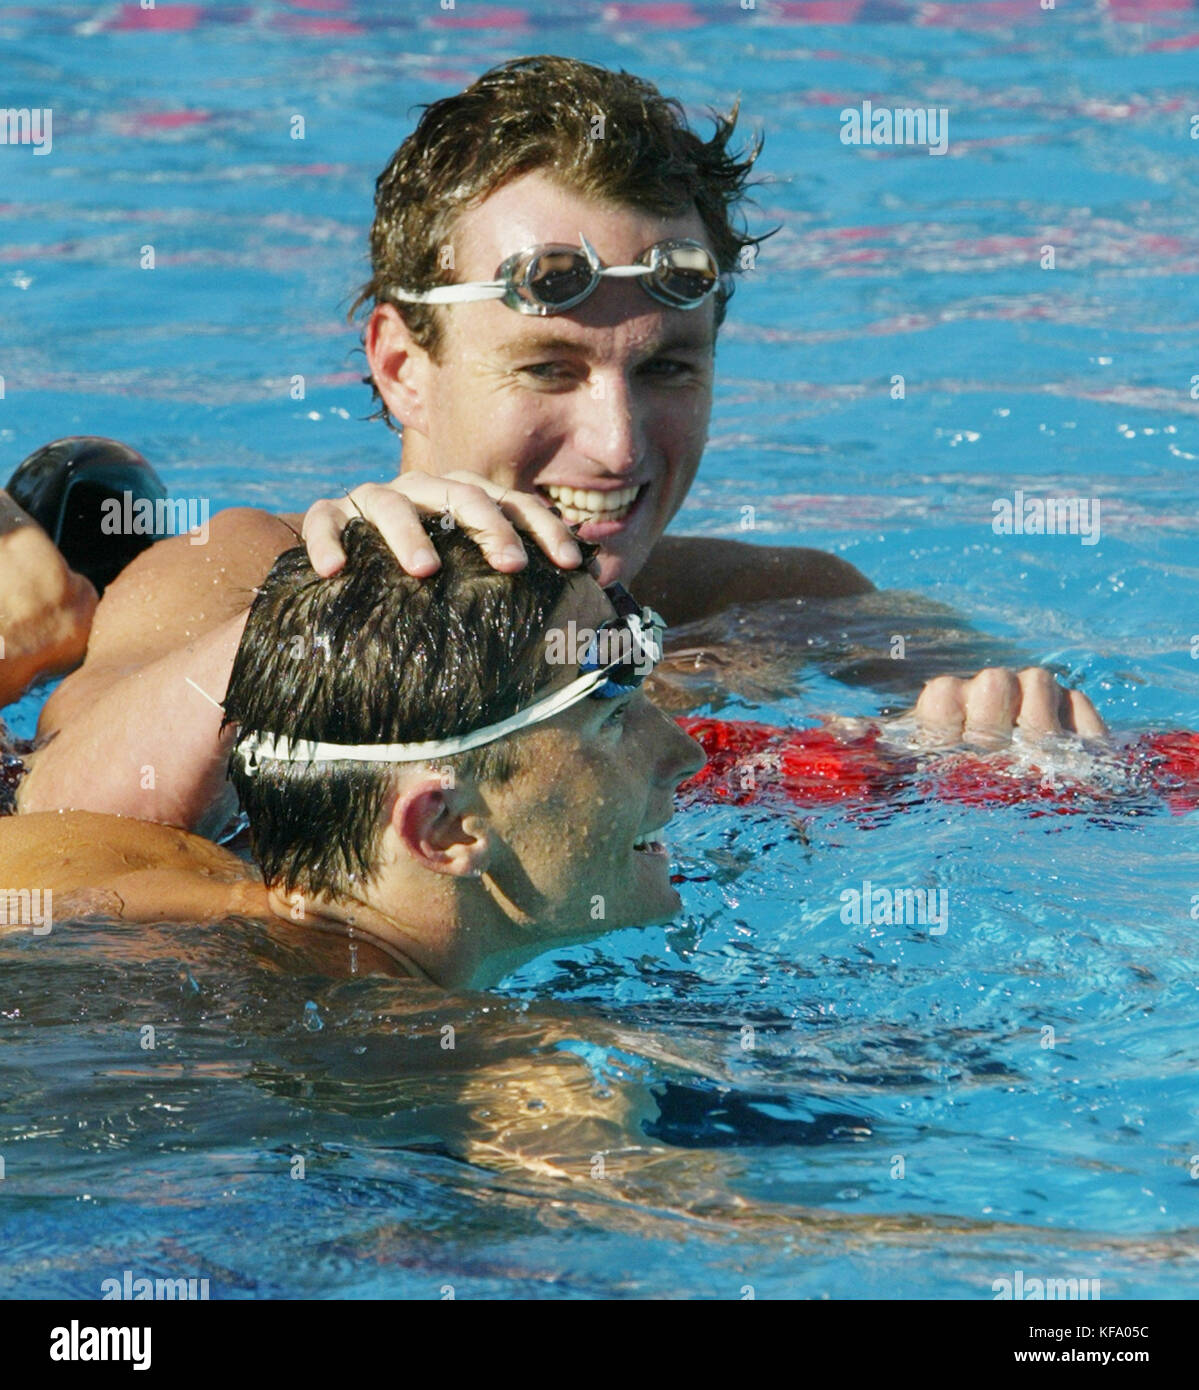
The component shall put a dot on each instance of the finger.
(1083, 717)
(1041, 702)
(395, 517)
(941, 710)
(321, 531)
(477, 512)
(533, 513)
(992, 704)
(470, 506)
(399, 522)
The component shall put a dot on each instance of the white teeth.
(578, 505)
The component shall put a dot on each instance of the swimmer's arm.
(46, 608)
(693, 577)
(547, 1115)
(690, 577)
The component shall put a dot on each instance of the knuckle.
(392, 501)
(1038, 678)
(470, 494)
(997, 680)
(941, 688)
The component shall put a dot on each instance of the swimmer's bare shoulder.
(128, 870)
(692, 577)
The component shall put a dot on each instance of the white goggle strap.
(453, 294)
(257, 748)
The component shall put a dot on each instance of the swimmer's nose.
(682, 755)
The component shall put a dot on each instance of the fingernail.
(569, 552)
(512, 555)
(424, 558)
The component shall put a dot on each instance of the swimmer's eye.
(668, 368)
(615, 719)
(552, 373)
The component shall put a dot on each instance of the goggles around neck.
(551, 279)
(617, 659)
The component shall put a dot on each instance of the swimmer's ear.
(400, 367)
(431, 822)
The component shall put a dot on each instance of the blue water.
(895, 1125)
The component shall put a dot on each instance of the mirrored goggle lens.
(558, 276)
(682, 274)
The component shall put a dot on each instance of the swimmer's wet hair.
(544, 113)
(373, 655)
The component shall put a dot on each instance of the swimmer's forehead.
(585, 601)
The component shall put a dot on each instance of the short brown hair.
(539, 113)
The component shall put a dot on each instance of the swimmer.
(468, 803)
(565, 290)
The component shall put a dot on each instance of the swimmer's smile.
(601, 511)
(645, 843)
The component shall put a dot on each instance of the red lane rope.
(760, 764)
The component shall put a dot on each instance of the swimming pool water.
(895, 1124)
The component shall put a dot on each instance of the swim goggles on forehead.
(616, 660)
(551, 279)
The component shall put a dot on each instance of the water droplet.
(312, 1018)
